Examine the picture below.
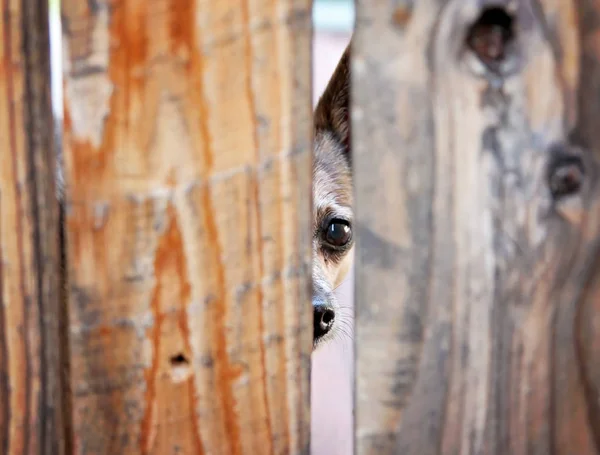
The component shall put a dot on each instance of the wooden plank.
(187, 157)
(31, 409)
(476, 145)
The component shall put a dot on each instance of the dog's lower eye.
(338, 233)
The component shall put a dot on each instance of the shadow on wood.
(31, 408)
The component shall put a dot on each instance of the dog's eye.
(338, 233)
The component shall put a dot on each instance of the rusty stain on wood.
(187, 158)
(480, 336)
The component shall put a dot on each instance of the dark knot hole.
(490, 35)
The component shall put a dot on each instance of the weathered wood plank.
(476, 152)
(31, 409)
(187, 156)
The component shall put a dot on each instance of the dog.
(332, 189)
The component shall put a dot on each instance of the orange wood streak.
(176, 113)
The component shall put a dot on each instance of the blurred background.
(333, 21)
(332, 378)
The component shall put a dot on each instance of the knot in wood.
(565, 177)
(490, 35)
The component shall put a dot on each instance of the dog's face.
(332, 204)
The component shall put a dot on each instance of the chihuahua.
(332, 204)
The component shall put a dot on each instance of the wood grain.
(187, 157)
(477, 275)
(31, 412)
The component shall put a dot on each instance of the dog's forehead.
(332, 182)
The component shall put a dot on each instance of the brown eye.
(338, 233)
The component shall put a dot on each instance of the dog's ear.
(333, 110)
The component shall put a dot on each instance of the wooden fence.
(185, 327)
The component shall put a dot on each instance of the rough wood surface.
(478, 227)
(187, 156)
(31, 419)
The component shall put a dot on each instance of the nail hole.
(490, 35)
(180, 368)
(179, 360)
(565, 177)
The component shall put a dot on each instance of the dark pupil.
(338, 233)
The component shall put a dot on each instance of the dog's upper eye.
(338, 233)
